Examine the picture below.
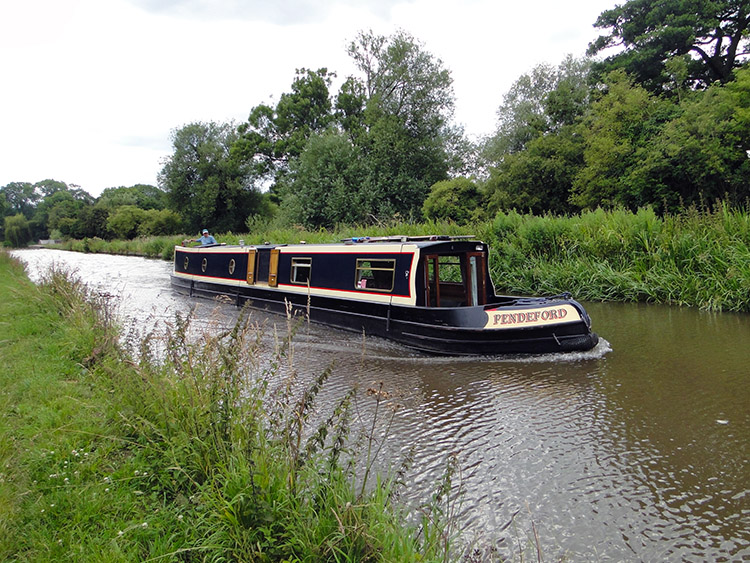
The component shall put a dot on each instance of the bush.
(456, 200)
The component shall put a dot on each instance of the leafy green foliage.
(272, 137)
(58, 209)
(159, 222)
(124, 222)
(644, 150)
(713, 34)
(543, 100)
(456, 200)
(328, 184)
(697, 258)
(403, 80)
(20, 197)
(537, 150)
(539, 178)
(409, 100)
(16, 229)
(204, 185)
(141, 195)
(395, 120)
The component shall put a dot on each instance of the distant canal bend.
(635, 451)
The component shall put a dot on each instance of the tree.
(17, 232)
(713, 33)
(91, 221)
(21, 197)
(539, 102)
(537, 150)
(616, 136)
(538, 179)
(328, 184)
(404, 136)
(58, 204)
(159, 222)
(144, 196)
(403, 80)
(272, 137)
(522, 117)
(642, 149)
(395, 116)
(204, 184)
(700, 155)
(49, 187)
(125, 221)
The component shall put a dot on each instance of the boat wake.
(374, 348)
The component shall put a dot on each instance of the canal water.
(635, 451)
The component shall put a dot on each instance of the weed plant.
(185, 447)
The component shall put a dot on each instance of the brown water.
(635, 451)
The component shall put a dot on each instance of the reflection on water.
(635, 451)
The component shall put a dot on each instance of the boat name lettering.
(529, 316)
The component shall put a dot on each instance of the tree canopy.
(711, 34)
(393, 118)
(204, 184)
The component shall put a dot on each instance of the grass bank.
(203, 451)
(697, 258)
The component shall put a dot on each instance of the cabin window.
(301, 270)
(375, 274)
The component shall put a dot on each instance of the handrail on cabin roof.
(406, 238)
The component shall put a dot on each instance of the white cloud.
(93, 88)
(286, 12)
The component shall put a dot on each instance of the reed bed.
(187, 446)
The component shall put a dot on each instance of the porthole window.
(203, 265)
(232, 265)
(185, 263)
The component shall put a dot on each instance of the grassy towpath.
(202, 452)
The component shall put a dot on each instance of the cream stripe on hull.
(352, 295)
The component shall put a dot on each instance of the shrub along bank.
(204, 451)
(697, 258)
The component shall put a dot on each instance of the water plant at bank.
(184, 446)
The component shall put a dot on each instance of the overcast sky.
(90, 90)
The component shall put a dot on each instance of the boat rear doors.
(455, 280)
(263, 266)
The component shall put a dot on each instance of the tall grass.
(697, 258)
(186, 447)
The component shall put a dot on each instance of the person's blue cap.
(205, 231)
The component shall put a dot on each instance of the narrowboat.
(432, 294)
